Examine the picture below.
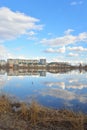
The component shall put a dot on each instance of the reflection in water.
(39, 71)
(56, 89)
(3, 79)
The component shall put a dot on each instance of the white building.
(21, 62)
(2, 62)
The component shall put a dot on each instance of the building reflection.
(36, 72)
(26, 72)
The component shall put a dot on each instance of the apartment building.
(24, 62)
(43, 61)
(2, 63)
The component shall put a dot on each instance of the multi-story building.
(43, 61)
(12, 62)
(21, 62)
(2, 63)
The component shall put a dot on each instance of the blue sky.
(51, 29)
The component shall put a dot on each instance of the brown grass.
(21, 116)
(5, 105)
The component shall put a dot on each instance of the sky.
(51, 29)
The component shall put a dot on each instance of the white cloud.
(67, 32)
(76, 3)
(31, 33)
(59, 41)
(4, 53)
(13, 24)
(66, 39)
(73, 54)
(78, 49)
(50, 50)
(82, 37)
(59, 50)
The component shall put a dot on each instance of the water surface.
(55, 90)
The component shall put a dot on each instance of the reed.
(35, 116)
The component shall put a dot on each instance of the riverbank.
(21, 116)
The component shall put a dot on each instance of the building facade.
(25, 63)
(2, 63)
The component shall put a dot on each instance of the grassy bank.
(21, 116)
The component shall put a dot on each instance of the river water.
(55, 90)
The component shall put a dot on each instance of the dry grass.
(5, 105)
(20, 116)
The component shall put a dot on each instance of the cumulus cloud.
(66, 39)
(77, 49)
(13, 24)
(59, 50)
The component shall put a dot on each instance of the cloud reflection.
(64, 94)
(3, 80)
